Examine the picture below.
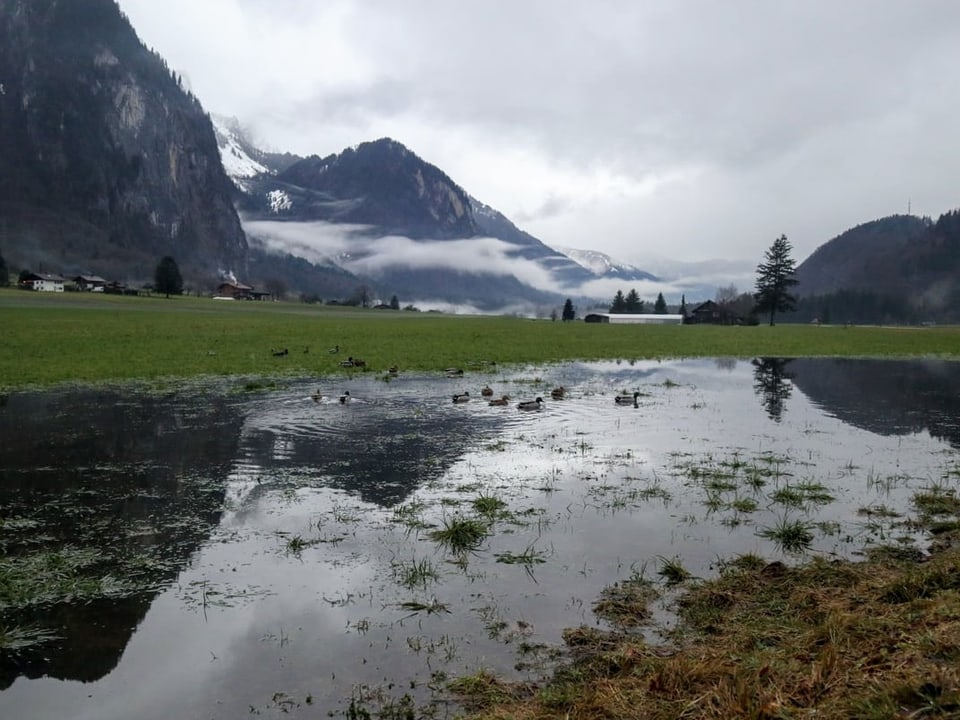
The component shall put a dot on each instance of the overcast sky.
(687, 130)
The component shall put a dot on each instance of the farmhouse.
(43, 282)
(90, 283)
(634, 319)
(711, 312)
(239, 291)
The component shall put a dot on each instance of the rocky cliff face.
(106, 163)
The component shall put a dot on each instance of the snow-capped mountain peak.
(603, 265)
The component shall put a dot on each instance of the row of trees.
(631, 304)
(774, 282)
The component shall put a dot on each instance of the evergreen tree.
(660, 307)
(619, 304)
(683, 305)
(167, 278)
(569, 313)
(4, 272)
(394, 303)
(774, 280)
(633, 303)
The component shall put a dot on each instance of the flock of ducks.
(557, 393)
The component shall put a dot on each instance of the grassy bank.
(826, 640)
(49, 339)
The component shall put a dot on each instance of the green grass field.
(47, 339)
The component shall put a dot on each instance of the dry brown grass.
(826, 640)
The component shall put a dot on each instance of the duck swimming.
(627, 399)
(487, 391)
(505, 400)
(558, 393)
(317, 396)
(530, 404)
(461, 397)
(345, 398)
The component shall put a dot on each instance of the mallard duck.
(393, 370)
(487, 391)
(334, 350)
(461, 397)
(627, 399)
(345, 398)
(347, 363)
(505, 400)
(317, 396)
(558, 393)
(454, 372)
(530, 404)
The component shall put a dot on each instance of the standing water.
(212, 553)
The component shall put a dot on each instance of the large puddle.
(208, 553)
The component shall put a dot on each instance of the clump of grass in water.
(744, 505)
(791, 536)
(483, 690)
(461, 535)
(530, 556)
(416, 573)
(489, 505)
(410, 515)
(431, 608)
(937, 500)
(65, 575)
(801, 494)
(627, 604)
(673, 571)
(297, 544)
(16, 639)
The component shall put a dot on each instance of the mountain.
(106, 162)
(896, 269)
(602, 265)
(865, 257)
(380, 211)
(377, 196)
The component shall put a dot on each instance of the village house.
(239, 291)
(90, 283)
(43, 282)
(713, 313)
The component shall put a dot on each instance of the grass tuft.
(461, 535)
(790, 536)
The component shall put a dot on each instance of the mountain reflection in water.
(131, 485)
(888, 397)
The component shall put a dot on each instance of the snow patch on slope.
(236, 160)
(597, 262)
(279, 201)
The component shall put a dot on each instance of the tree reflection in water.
(771, 382)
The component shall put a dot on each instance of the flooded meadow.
(230, 549)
